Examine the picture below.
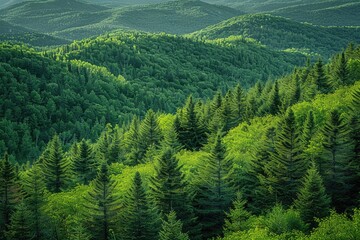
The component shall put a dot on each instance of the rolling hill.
(282, 34)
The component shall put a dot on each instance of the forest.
(246, 126)
(277, 161)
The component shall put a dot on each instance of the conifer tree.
(172, 229)
(193, 135)
(287, 167)
(33, 183)
(238, 105)
(216, 103)
(56, 167)
(131, 143)
(336, 160)
(236, 218)
(274, 100)
(102, 205)
(227, 116)
(214, 193)
(312, 201)
(114, 148)
(139, 220)
(21, 224)
(296, 90)
(149, 133)
(84, 164)
(320, 78)
(308, 130)
(9, 193)
(169, 191)
(341, 70)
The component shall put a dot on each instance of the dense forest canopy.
(245, 129)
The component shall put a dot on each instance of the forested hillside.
(283, 34)
(278, 161)
(76, 89)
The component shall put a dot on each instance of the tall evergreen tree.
(336, 160)
(102, 205)
(236, 218)
(274, 100)
(214, 193)
(320, 79)
(312, 201)
(33, 183)
(193, 134)
(131, 143)
(172, 229)
(170, 191)
(21, 224)
(84, 164)
(56, 167)
(239, 105)
(149, 133)
(287, 167)
(342, 71)
(139, 220)
(9, 193)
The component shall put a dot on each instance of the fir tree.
(336, 160)
(172, 229)
(56, 167)
(287, 167)
(9, 193)
(238, 105)
(274, 100)
(131, 143)
(214, 193)
(139, 220)
(84, 164)
(341, 70)
(312, 201)
(102, 205)
(320, 78)
(33, 183)
(21, 224)
(236, 218)
(169, 191)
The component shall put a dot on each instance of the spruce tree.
(236, 219)
(341, 70)
(214, 192)
(308, 130)
(56, 167)
(320, 79)
(336, 159)
(84, 164)
(131, 143)
(139, 220)
(21, 224)
(102, 205)
(274, 100)
(238, 105)
(149, 133)
(172, 229)
(312, 201)
(33, 183)
(170, 191)
(9, 193)
(287, 167)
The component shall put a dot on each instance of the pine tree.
(84, 164)
(21, 224)
(214, 193)
(102, 205)
(131, 143)
(320, 78)
(238, 105)
(295, 90)
(9, 193)
(172, 229)
(169, 191)
(336, 160)
(274, 100)
(312, 201)
(193, 135)
(56, 167)
(139, 220)
(287, 167)
(341, 71)
(236, 219)
(149, 133)
(308, 130)
(33, 183)
(216, 103)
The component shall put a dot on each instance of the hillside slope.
(281, 33)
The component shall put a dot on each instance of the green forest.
(245, 128)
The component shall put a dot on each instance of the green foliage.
(172, 229)
(139, 219)
(312, 201)
(102, 205)
(21, 224)
(84, 164)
